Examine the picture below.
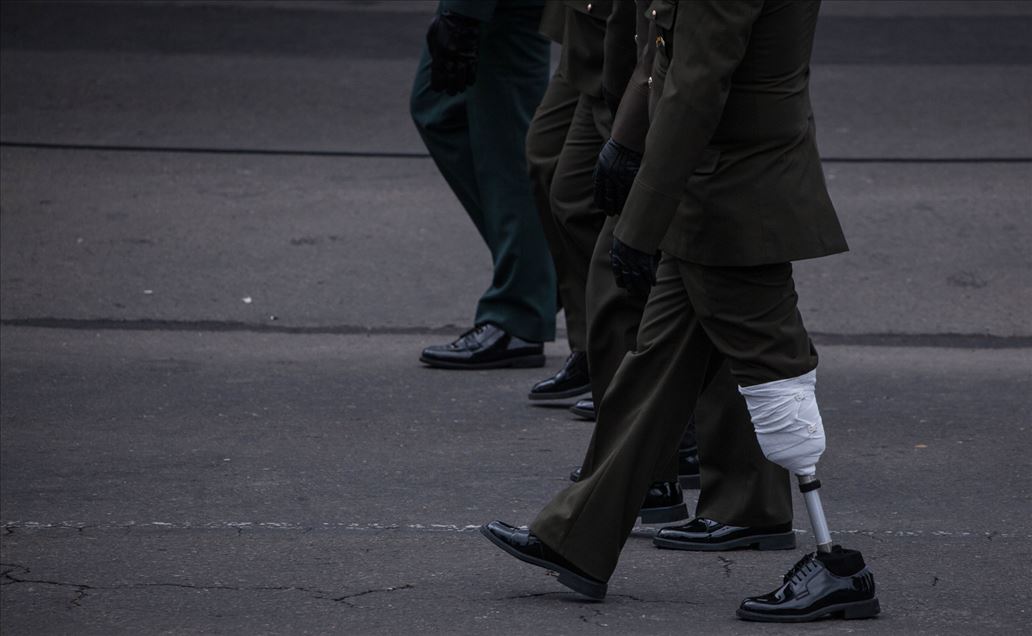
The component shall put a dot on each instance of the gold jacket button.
(660, 41)
(589, 6)
(650, 81)
(653, 13)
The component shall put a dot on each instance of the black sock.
(842, 562)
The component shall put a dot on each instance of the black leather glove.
(634, 271)
(614, 175)
(454, 42)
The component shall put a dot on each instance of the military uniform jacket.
(629, 56)
(580, 26)
(731, 175)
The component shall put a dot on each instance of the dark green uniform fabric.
(704, 320)
(565, 194)
(584, 29)
(740, 486)
(545, 139)
(698, 319)
(477, 140)
(572, 204)
(731, 174)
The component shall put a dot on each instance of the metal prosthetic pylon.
(809, 485)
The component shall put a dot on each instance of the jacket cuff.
(645, 218)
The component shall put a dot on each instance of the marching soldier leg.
(571, 200)
(545, 140)
(613, 320)
(511, 80)
(740, 486)
(588, 523)
(745, 500)
(614, 317)
(443, 124)
(576, 222)
(752, 317)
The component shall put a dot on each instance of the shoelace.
(800, 569)
(472, 332)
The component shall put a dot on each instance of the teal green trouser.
(477, 139)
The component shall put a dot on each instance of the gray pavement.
(211, 415)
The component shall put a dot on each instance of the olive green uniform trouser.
(477, 138)
(567, 133)
(739, 486)
(699, 323)
(545, 139)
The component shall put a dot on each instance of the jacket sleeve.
(709, 41)
(621, 52)
(631, 123)
(482, 10)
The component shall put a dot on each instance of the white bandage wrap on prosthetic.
(787, 423)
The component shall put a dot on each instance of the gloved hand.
(454, 42)
(614, 175)
(634, 271)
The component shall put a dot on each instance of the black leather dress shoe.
(585, 409)
(819, 585)
(706, 534)
(570, 381)
(485, 347)
(663, 503)
(522, 544)
(688, 468)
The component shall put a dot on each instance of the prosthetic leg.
(832, 580)
(808, 485)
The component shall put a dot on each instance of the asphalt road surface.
(222, 247)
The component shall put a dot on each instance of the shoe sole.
(780, 541)
(664, 515)
(845, 611)
(522, 362)
(561, 395)
(689, 482)
(592, 589)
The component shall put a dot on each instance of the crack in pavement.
(346, 598)
(727, 563)
(10, 578)
(13, 573)
(531, 595)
